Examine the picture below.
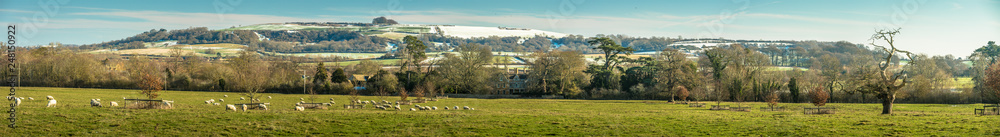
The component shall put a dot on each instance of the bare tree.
(992, 80)
(151, 85)
(251, 74)
(888, 78)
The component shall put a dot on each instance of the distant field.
(491, 117)
(226, 49)
(348, 55)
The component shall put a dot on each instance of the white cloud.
(957, 6)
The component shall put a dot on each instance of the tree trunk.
(887, 104)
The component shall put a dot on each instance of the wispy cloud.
(158, 19)
(810, 19)
(15, 11)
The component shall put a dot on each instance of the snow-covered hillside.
(472, 31)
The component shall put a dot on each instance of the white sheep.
(466, 107)
(413, 109)
(300, 108)
(268, 97)
(456, 107)
(241, 98)
(331, 99)
(208, 102)
(216, 104)
(244, 107)
(397, 107)
(114, 104)
(222, 100)
(225, 96)
(303, 102)
(472, 108)
(169, 103)
(331, 102)
(95, 103)
(17, 102)
(31, 98)
(263, 106)
(230, 107)
(416, 106)
(327, 104)
(49, 97)
(434, 108)
(52, 103)
(445, 107)
(298, 104)
(302, 99)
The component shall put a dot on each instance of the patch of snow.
(471, 31)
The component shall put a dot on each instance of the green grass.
(492, 117)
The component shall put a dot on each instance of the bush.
(818, 96)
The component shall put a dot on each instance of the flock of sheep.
(384, 105)
(17, 100)
(301, 105)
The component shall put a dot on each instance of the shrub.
(818, 96)
(682, 92)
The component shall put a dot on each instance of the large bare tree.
(886, 80)
(251, 74)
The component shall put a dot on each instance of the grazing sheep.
(114, 104)
(466, 107)
(49, 97)
(31, 98)
(225, 96)
(95, 103)
(331, 102)
(221, 100)
(397, 107)
(434, 108)
(230, 107)
(244, 107)
(208, 102)
(17, 102)
(445, 107)
(268, 97)
(413, 109)
(327, 104)
(52, 103)
(456, 107)
(298, 104)
(263, 106)
(241, 98)
(331, 99)
(302, 99)
(417, 106)
(472, 108)
(300, 108)
(216, 104)
(169, 103)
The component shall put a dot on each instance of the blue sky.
(929, 26)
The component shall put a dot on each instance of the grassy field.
(491, 117)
